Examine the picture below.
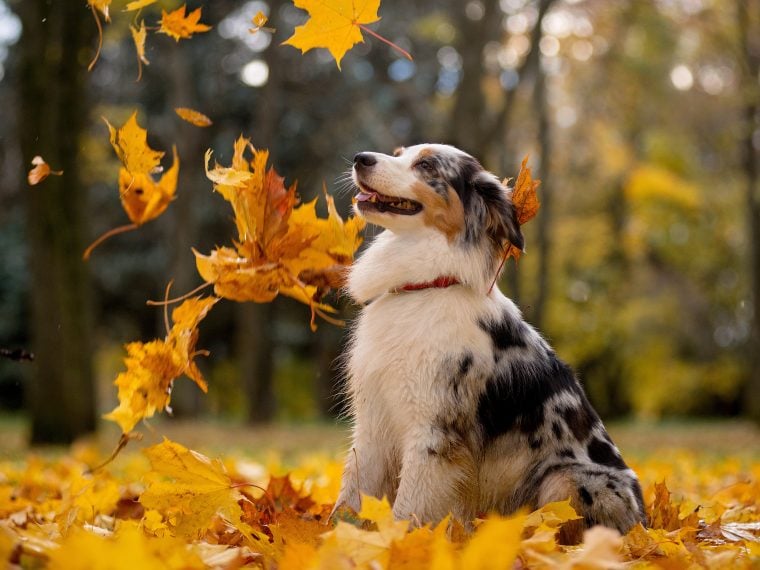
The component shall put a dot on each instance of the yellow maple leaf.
(138, 36)
(280, 248)
(333, 24)
(142, 198)
(152, 367)
(180, 25)
(40, 171)
(130, 142)
(189, 489)
(126, 549)
(193, 117)
(552, 514)
(495, 544)
(138, 4)
(102, 6)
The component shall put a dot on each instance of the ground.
(701, 482)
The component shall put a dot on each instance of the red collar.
(438, 283)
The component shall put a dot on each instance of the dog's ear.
(500, 215)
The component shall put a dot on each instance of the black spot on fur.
(636, 488)
(585, 496)
(465, 364)
(535, 443)
(610, 485)
(456, 379)
(567, 452)
(557, 429)
(505, 332)
(515, 397)
(580, 419)
(431, 451)
(602, 453)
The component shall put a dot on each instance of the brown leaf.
(193, 117)
(40, 171)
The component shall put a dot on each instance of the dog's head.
(437, 186)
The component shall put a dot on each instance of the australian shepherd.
(459, 405)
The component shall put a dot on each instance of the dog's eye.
(426, 165)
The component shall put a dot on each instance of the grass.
(638, 440)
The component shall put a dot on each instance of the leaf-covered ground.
(262, 498)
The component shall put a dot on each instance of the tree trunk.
(256, 341)
(749, 33)
(544, 220)
(183, 227)
(54, 46)
(467, 121)
(256, 345)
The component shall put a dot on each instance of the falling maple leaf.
(281, 249)
(336, 25)
(138, 4)
(526, 205)
(180, 25)
(152, 367)
(40, 171)
(525, 201)
(142, 197)
(193, 117)
(259, 21)
(130, 142)
(138, 36)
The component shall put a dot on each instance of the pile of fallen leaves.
(171, 507)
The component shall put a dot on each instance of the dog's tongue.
(363, 196)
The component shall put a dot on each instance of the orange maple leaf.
(143, 198)
(180, 25)
(152, 367)
(280, 248)
(40, 171)
(259, 21)
(525, 202)
(336, 25)
(193, 117)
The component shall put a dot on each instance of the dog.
(458, 405)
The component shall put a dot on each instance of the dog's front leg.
(366, 472)
(437, 478)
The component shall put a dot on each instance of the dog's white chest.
(404, 342)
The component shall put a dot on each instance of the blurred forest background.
(640, 116)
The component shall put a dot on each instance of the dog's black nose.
(365, 159)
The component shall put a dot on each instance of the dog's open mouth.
(370, 199)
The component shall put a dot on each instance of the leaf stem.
(123, 441)
(105, 236)
(100, 39)
(386, 41)
(166, 306)
(501, 265)
(178, 299)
